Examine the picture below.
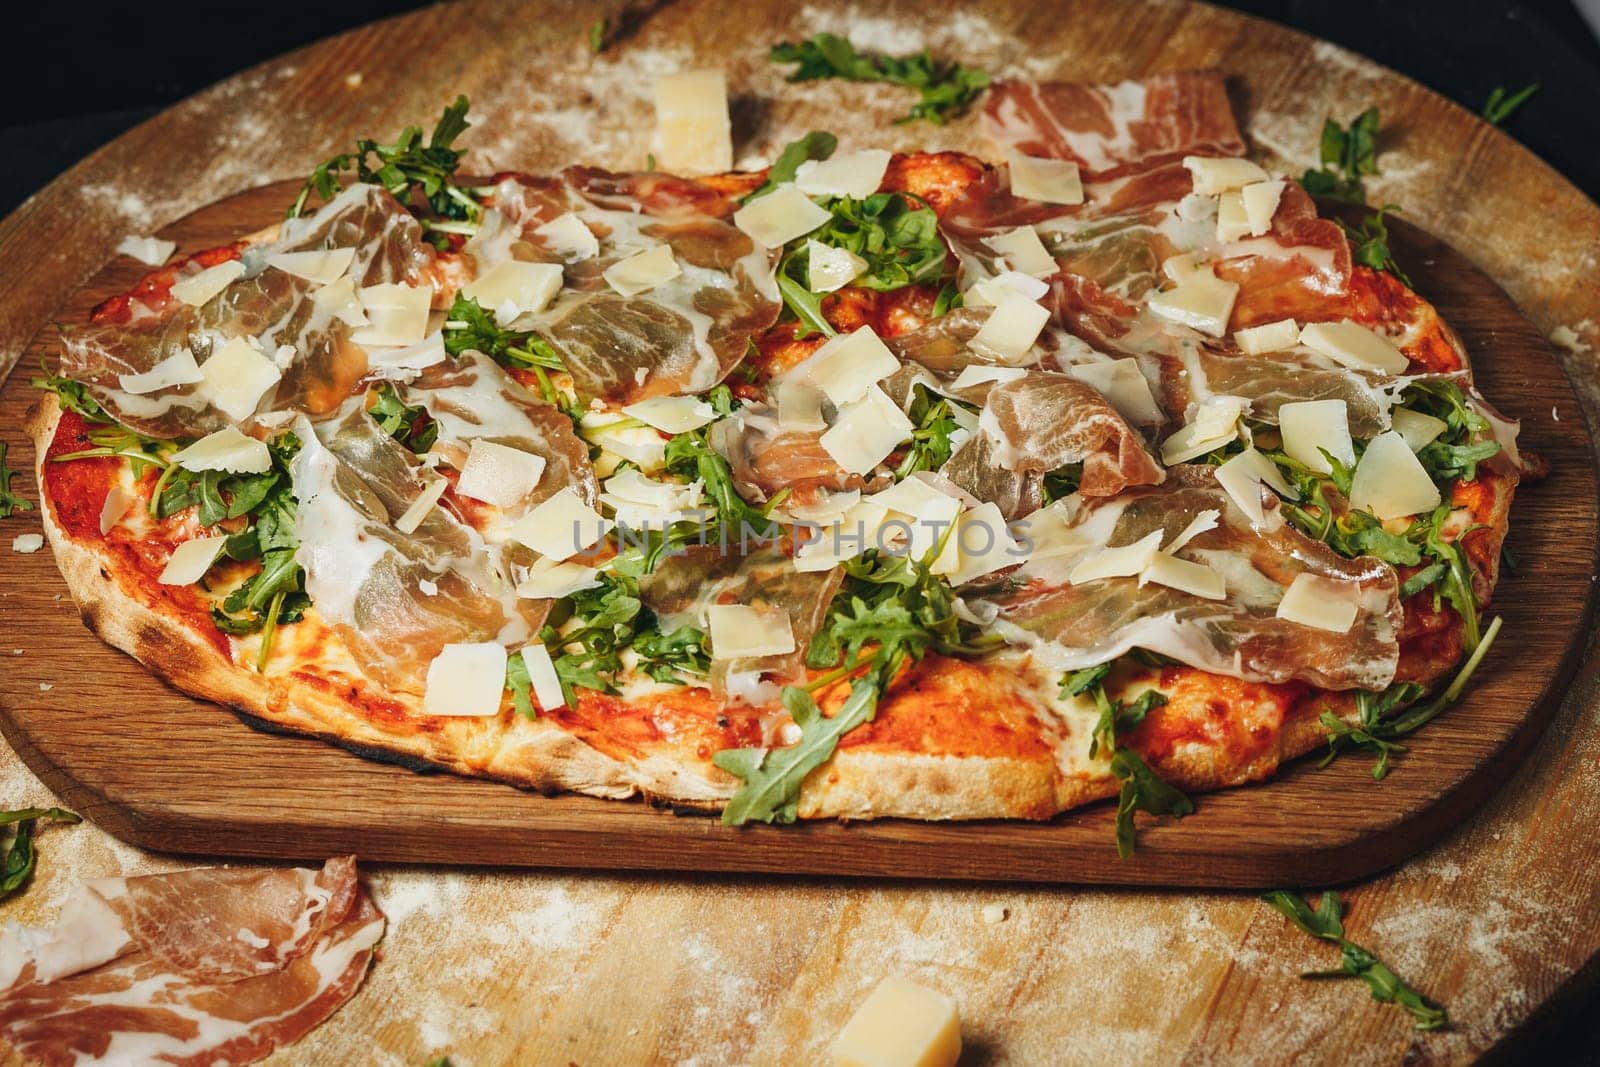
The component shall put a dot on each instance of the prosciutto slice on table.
(1074, 626)
(204, 967)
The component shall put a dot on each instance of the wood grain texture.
(216, 786)
(498, 966)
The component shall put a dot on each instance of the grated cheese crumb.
(995, 913)
(26, 543)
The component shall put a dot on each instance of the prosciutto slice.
(1074, 626)
(679, 337)
(1044, 421)
(322, 364)
(202, 967)
(766, 458)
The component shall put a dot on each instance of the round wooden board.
(504, 966)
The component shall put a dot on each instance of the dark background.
(74, 77)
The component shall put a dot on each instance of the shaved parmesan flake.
(900, 1024)
(1268, 337)
(1242, 476)
(693, 132)
(852, 534)
(643, 271)
(466, 680)
(1024, 252)
(397, 315)
(1205, 520)
(929, 512)
(1201, 301)
(561, 526)
(339, 301)
(551, 581)
(992, 291)
(1125, 388)
(640, 503)
(226, 450)
(853, 174)
(542, 678)
(829, 269)
(1390, 482)
(672, 414)
(1050, 181)
(1186, 576)
(190, 560)
(519, 287)
(418, 509)
(982, 544)
(323, 266)
(1178, 269)
(642, 446)
(774, 220)
(1123, 561)
(1232, 223)
(978, 374)
(117, 504)
(499, 475)
(236, 377)
(1011, 329)
(847, 365)
(799, 406)
(1215, 423)
(404, 363)
(27, 544)
(1324, 603)
(866, 432)
(1419, 429)
(1260, 204)
(1311, 427)
(199, 288)
(739, 630)
(177, 369)
(568, 237)
(152, 251)
(1354, 345)
(1221, 174)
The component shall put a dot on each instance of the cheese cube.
(30, 543)
(236, 376)
(1221, 174)
(671, 414)
(853, 174)
(643, 271)
(499, 475)
(1011, 329)
(1310, 427)
(829, 269)
(866, 432)
(1418, 428)
(693, 132)
(324, 266)
(561, 526)
(1202, 302)
(1261, 204)
(226, 450)
(177, 369)
(522, 288)
(1390, 482)
(739, 630)
(1232, 223)
(1024, 252)
(1268, 337)
(569, 237)
(1124, 561)
(1049, 181)
(190, 560)
(466, 679)
(1354, 345)
(1322, 603)
(397, 315)
(847, 365)
(199, 288)
(1124, 386)
(900, 1024)
(542, 678)
(779, 217)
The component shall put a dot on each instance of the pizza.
(865, 485)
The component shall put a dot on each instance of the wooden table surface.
(498, 966)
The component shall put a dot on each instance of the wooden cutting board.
(167, 772)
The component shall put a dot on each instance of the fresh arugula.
(947, 88)
(20, 856)
(468, 326)
(1501, 105)
(72, 396)
(408, 424)
(521, 686)
(408, 169)
(1062, 482)
(597, 36)
(816, 145)
(933, 417)
(1326, 922)
(1369, 243)
(690, 456)
(10, 503)
(1349, 154)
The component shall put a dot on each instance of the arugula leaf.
(1501, 105)
(947, 88)
(468, 325)
(72, 396)
(1062, 482)
(1326, 923)
(1349, 155)
(521, 686)
(1083, 681)
(10, 502)
(816, 145)
(597, 36)
(409, 425)
(20, 856)
(1369, 243)
(934, 419)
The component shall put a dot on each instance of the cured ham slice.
(320, 367)
(680, 336)
(766, 459)
(202, 967)
(1074, 626)
(1043, 421)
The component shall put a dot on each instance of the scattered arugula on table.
(20, 856)
(947, 88)
(1501, 105)
(1349, 154)
(10, 503)
(1326, 923)
(1369, 242)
